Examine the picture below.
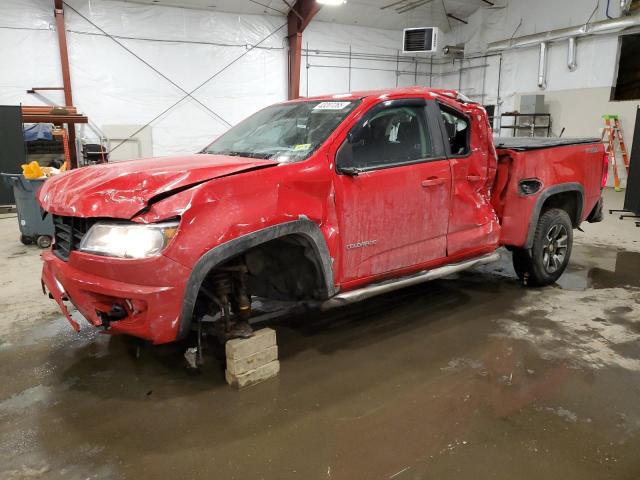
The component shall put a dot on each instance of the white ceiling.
(354, 12)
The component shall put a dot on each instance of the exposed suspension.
(230, 297)
(227, 293)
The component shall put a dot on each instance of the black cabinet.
(12, 150)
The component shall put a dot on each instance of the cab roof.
(390, 92)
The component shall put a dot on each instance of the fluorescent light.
(331, 2)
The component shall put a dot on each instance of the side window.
(393, 136)
(457, 130)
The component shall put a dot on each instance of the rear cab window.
(457, 131)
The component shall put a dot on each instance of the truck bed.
(565, 163)
(536, 143)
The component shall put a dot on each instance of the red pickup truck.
(324, 201)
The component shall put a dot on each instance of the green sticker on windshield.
(301, 146)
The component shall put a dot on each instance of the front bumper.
(148, 293)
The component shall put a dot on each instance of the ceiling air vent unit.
(420, 40)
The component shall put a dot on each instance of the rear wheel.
(43, 241)
(551, 250)
(26, 240)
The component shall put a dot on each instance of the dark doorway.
(628, 83)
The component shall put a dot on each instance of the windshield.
(285, 133)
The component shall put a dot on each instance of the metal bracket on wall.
(595, 9)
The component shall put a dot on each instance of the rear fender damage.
(567, 196)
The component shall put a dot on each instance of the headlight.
(128, 240)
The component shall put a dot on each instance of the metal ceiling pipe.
(542, 66)
(595, 28)
(572, 54)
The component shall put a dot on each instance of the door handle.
(474, 178)
(433, 182)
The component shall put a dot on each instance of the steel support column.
(66, 76)
(298, 18)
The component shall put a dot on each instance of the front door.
(392, 191)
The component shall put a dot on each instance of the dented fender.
(121, 190)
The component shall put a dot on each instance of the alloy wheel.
(555, 248)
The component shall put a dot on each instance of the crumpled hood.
(120, 190)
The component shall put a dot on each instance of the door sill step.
(372, 290)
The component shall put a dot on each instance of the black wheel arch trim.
(227, 250)
(544, 196)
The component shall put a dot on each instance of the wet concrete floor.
(468, 377)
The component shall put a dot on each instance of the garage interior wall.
(575, 99)
(113, 87)
(339, 58)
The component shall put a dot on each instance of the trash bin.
(33, 228)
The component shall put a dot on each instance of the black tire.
(521, 262)
(551, 250)
(26, 240)
(43, 241)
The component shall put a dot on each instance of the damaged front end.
(134, 296)
(113, 225)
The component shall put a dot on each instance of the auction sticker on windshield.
(331, 105)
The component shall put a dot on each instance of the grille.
(68, 233)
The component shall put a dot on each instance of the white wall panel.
(321, 38)
(29, 55)
(111, 86)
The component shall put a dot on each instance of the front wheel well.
(298, 246)
(285, 268)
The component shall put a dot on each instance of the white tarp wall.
(340, 58)
(113, 87)
(327, 66)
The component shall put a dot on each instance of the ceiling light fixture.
(332, 3)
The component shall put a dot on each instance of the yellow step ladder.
(614, 141)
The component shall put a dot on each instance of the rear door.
(392, 190)
(473, 224)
